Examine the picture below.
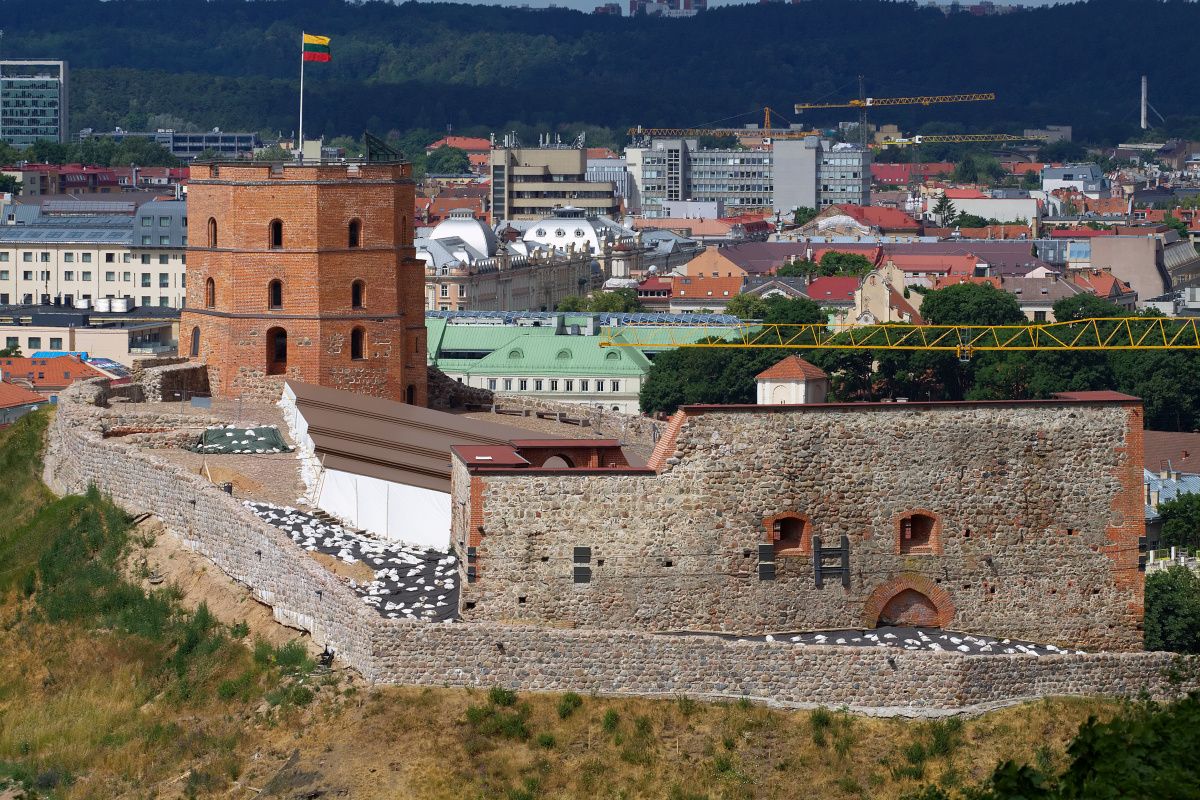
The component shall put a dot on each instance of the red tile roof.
(832, 289)
(56, 373)
(950, 265)
(897, 301)
(467, 143)
(601, 152)
(886, 219)
(792, 368)
(1080, 233)
(699, 287)
(13, 396)
(965, 194)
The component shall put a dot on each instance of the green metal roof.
(537, 351)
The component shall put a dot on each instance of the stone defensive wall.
(1010, 519)
(303, 594)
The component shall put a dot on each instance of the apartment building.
(794, 173)
(73, 253)
(529, 183)
(188, 145)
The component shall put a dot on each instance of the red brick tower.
(305, 272)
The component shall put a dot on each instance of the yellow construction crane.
(897, 101)
(979, 137)
(863, 103)
(767, 132)
(1122, 333)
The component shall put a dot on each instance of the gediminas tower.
(305, 271)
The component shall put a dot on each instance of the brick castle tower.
(305, 272)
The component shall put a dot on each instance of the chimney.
(1162, 474)
(1154, 499)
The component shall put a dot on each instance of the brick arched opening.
(909, 600)
(791, 533)
(277, 351)
(918, 532)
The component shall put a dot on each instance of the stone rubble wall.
(303, 594)
(170, 380)
(445, 393)
(1037, 509)
(636, 430)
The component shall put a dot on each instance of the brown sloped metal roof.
(389, 440)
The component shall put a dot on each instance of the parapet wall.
(174, 380)
(305, 595)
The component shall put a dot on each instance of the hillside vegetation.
(108, 690)
(425, 65)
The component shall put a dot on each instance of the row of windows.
(86, 258)
(163, 222)
(274, 292)
(274, 233)
(68, 300)
(35, 344)
(164, 278)
(791, 534)
(555, 384)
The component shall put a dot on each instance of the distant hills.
(236, 64)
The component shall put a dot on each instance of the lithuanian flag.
(316, 48)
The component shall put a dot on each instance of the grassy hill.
(109, 690)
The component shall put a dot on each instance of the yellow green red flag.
(316, 48)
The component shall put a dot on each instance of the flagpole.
(301, 136)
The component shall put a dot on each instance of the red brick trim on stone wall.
(666, 443)
(936, 594)
(1127, 516)
(805, 548)
(935, 536)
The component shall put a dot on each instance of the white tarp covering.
(391, 511)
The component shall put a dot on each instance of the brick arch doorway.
(909, 600)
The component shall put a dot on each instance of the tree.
(799, 311)
(1181, 521)
(804, 214)
(208, 154)
(971, 221)
(1173, 610)
(1070, 207)
(972, 304)
(572, 303)
(1178, 225)
(11, 352)
(618, 301)
(976, 168)
(796, 269)
(448, 160)
(944, 211)
(690, 375)
(1084, 306)
(843, 264)
(273, 153)
(720, 141)
(747, 306)
(1031, 180)
(9, 184)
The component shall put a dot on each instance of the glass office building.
(33, 102)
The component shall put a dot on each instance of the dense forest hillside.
(236, 64)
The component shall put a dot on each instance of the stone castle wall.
(305, 595)
(1037, 510)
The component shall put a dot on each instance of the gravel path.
(906, 639)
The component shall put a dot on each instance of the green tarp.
(240, 440)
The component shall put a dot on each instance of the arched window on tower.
(276, 234)
(212, 232)
(275, 294)
(356, 343)
(196, 342)
(356, 294)
(210, 293)
(355, 231)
